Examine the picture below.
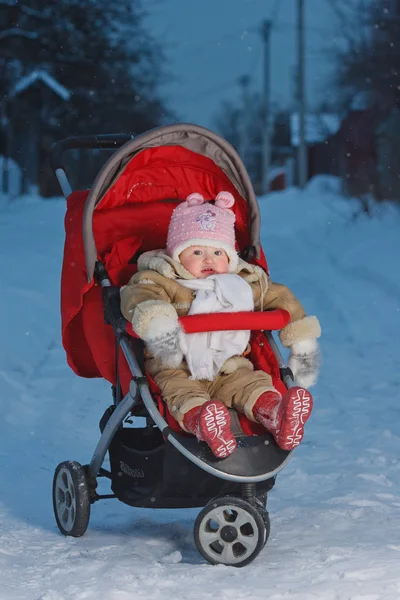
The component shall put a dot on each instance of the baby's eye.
(218, 253)
(197, 252)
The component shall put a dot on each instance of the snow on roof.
(318, 127)
(52, 83)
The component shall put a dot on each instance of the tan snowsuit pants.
(239, 390)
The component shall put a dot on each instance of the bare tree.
(368, 57)
(100, 51)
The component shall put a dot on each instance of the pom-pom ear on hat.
(224, 200)
(195, 199)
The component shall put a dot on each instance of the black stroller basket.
(147, 472)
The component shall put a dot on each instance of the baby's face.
(203, 261)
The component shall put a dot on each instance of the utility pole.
(266, 109)
(302, 162)
(244, 83)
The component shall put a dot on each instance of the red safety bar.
(255, 321)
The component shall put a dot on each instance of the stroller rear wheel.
(230, 531)
(71, 500)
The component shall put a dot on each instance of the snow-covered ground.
(335, 508)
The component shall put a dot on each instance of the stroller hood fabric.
(202, 143)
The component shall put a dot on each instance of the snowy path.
(335, 509)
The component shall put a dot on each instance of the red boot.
(284, 417)
(210, 423)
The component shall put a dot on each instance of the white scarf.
(205, 353)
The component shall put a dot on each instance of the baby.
(200, 375)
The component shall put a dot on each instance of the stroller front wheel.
(230, 531)
(71, 500)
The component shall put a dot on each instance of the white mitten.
(304, 361)
(165, 340)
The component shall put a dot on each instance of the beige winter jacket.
(153, 292)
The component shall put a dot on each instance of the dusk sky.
(211, 43)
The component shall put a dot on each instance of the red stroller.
(125, 213)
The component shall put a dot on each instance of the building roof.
(29, 80)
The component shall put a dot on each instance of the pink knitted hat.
(197, 223)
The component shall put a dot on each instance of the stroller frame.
(239, 512)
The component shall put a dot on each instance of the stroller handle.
(232, 321)
(100, 141)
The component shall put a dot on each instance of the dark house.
(34, 106)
